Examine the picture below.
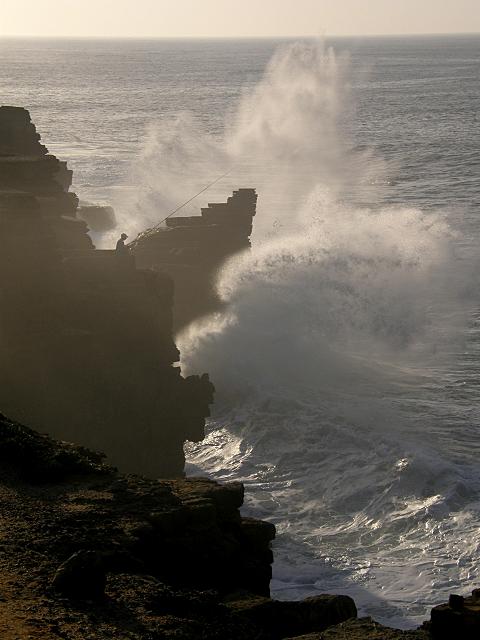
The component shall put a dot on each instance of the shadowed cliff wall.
(86, 348)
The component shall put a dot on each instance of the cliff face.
(86, 347)
(192, 250)
(148, 553)
(88, 553)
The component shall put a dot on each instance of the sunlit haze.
(230, 18)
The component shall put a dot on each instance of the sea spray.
(328, 360)
(327, 275)
(334, 321)
(284, 138)
(358, 282)
(177, 160)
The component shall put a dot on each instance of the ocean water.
(347, 364)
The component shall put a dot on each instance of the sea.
(347, 360)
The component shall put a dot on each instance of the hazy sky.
(205, 18)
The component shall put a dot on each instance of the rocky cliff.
(87, 553)
(193, 249)
(86, 346)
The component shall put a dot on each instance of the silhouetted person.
(121, 249)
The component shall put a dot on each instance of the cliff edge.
(86, 338)
(88, 553)
(193, 249)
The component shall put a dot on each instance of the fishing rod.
(148, 232)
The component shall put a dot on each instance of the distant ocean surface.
(369, 465)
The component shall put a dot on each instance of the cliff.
(87, 553)
(193, 249)
(86, 346)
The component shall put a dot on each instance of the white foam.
(334, 403)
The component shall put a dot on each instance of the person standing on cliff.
(121, 249)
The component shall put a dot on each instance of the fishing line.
(148, 232)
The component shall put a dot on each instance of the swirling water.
(348, 373)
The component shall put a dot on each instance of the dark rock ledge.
(88, 553)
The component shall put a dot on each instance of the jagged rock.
(257, 532)
(363, 629)
(87, 352)
(285, 619)
(81, 576)
(17, 133)
(186, 532)
(460, 618)
(193, 249)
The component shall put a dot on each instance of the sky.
(236, 18)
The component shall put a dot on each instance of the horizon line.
(238, 37)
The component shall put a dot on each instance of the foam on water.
(331, 364)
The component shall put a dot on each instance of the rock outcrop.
(459, 618)
(88, 553)
(86, 338)
(193, 249)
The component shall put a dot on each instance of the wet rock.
(82, 576)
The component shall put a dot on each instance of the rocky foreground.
(88, 553)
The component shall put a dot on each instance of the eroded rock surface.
(86, 351)
(88, 553)
(193, 249)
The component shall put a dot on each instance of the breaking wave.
(336, 360)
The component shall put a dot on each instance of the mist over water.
(328, 275)
(334, 320)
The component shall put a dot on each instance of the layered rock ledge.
(87, 350)
(193, 249)
(89, 554)
(86, 552)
